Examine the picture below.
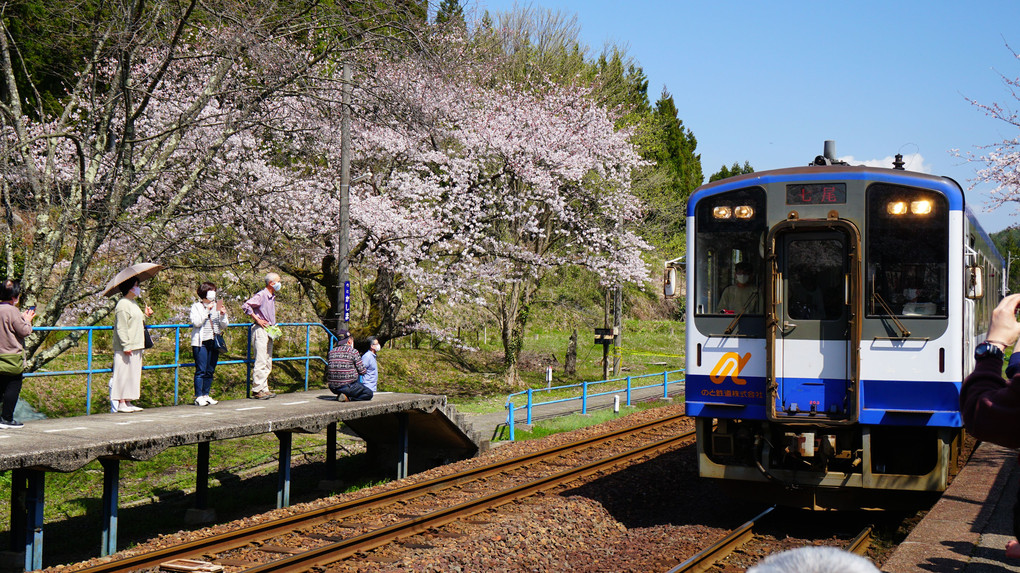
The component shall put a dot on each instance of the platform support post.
(283, 486)
(35, 502)
(18, 515)
(202, 476)
(402, 447)
(28, 499)
(331, 451)
(111, 497)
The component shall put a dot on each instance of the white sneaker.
(209, 401)
(131, 408)
(201, 401)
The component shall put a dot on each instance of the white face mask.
(277, 286)
(742, 278)
(137, 290)
(211, 295)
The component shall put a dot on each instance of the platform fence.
(90, 371)
(585, 392)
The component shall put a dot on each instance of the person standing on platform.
(371, 377)
(208, 319)
(262, 309)
(128, 346)
(342, 371)
(14, 327)
(989, 403)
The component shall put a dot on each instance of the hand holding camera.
(1004, 328)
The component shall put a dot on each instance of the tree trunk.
(570, 367)
(514, 317)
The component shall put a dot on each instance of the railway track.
(713, 555)
(254, 548)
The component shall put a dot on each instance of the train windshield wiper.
(903, 330)
(733, 323)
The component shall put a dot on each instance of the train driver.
(742, 296)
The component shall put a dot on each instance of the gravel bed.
(649, 516)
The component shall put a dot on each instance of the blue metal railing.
(530, 404)
(249, 360)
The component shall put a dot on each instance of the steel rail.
(708, 557)
(240, 537)
(862, 542)
(321, 556)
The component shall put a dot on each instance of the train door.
(814, 334)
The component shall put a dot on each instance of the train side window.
(907, 252)
(728, 272)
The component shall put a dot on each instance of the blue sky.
(768, 82)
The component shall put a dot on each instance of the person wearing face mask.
(262, 309)
(15, 325)
(741, 296)
(208, 318)
(128, 345)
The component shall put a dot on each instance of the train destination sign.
(816, 194)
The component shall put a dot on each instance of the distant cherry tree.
(1001, 160)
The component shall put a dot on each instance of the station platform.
(406, 432)
(969, 526)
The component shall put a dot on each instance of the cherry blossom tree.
(202, 138)
(478, 192)
(145, 149)
(1001, 160)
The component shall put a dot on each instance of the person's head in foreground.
(814, 560)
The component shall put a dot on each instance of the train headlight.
(744, 212)
(922, 207)
(722, 212)
(896, 207)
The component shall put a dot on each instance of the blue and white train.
(830, 378)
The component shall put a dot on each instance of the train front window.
(907, 252)
(728, 274)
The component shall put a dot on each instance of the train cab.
(831, 314)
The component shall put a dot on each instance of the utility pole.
(1009, 264)
(605, 347)
(617, 328)
(343, 285)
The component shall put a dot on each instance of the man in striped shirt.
(344, 368)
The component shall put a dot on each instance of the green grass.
(562, 424)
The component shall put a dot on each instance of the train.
(832, 313)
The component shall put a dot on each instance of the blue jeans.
(205, 365)
(355, 391)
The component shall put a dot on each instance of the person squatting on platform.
(128, 348)
(262, 309)
(14, 327)
(342, 371)
(208, 319)
(989, 403)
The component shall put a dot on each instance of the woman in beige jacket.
(128, 344)
(14, 327)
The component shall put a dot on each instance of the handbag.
(148, 340)
(12, 364)
(221, 343)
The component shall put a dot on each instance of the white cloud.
(911, 162)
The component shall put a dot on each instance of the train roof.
(947, 185)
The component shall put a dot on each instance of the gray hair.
(814, 559)
(272, 278)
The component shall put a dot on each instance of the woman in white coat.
(208, 318)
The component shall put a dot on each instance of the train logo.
(729, 366)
